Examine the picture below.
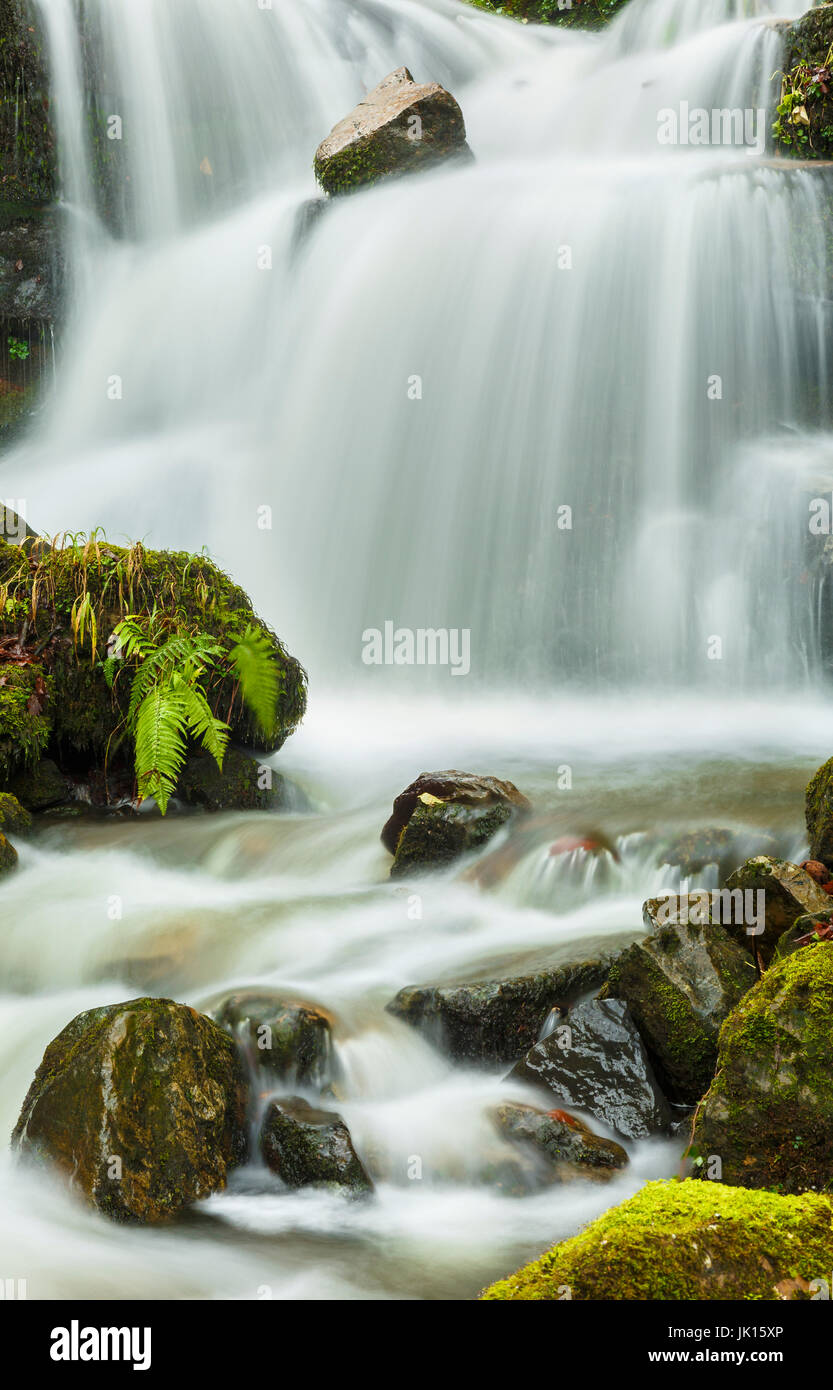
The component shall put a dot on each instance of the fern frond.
(256, 670)
(160, 730)
(212, 733)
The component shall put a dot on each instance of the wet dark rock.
(443, 815)
(768, 1115)
(679, 983)
(27, 144)
(493, 1021)
(243, 785)
(41, 786)
(567, 1146)
(788, 893)
(596, 1061)
(140, 1105)
(805, 113)
(399, 127)
(696, 850)
(311, 1148)
(288, 1039)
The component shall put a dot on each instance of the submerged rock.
(140, 1105)
(788, 893)
(679, 983)
(493, 1021)
(311, 1148)
(768, 1115)
(595, 1061)
(568, 1147)
(286, 1038)
(443, 815)
(397, 128)
(687, 1241)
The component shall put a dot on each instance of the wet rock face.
(768, 1115)
(243, 785)
(289, 1040)
(141, 1106)
(311, 1148)
(27, 145)
(679, 984)
(567, 1147)
(818, 801)
(443, 815)
(805, 111)
(683, 1241)
(495, 1021)
(399, 127)
(788, 891)
(595, 1061)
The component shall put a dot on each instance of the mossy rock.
(687, 1241)
(241, 785)
(807, 44)
(14, 818)
(141, 1106)
(788, 892)
(679, 984)
(27, 142)
(818, 808)
(289, 1039)
(441, 832)
(8, 856)
(306, 1147)
(62, 701)
(768, 1115)
(568, 14)
(565, 1146)
(41, 786)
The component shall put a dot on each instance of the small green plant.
(18, 350)
(175, 672)
(804, 84)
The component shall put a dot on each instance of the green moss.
(580, 14)
(27, 142)
(82, 719)
(687, 1241)
(14, 818)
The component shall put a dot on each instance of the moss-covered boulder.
(804, 119)
(818, 803)
(306, 1147)
(494, 1021)
(568, 14)
(768, 1115)
(40, 786)
(289, 1039)
(788, 892)
(14, 818)
(595, 1060)
(687, 1241)
(399, 127)
(679, 983)
(140, 1105)
(55, 697)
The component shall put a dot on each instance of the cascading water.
(565, 301)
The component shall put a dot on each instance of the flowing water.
(566, 302)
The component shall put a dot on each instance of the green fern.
(257, 673)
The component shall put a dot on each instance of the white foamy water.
(565, 301)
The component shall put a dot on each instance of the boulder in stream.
(14, 818)
(141, 1106)
(768, 1115)
(680, 982)
(288, 1039)
(244, 784)
(8, 856)
(566, 1147)
(685, 1242)
(818, 800)
(443, 815)
(307, 1147)
(41, 786)
(596, 1061)
(785, 891)
(399, 127)
(494, 1021)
